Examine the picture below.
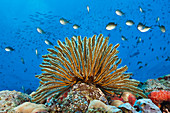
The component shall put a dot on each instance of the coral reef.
(97, 105)
(125, 97)
(116, 103)
(90, 61)
(97, 110)
(128, 97)
(140, 106)
(165, 80)
(28, 107)
(153, 85)
(127, 108)
(77, 99)
(165, 106)
(158, 97)
(11, 99)
(146, 106)
(83, 98)
(158, 90)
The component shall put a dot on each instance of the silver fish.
(40, 30)
(162, 28)
(48, 42)
(22, 60)
(124, 38)
(119, 12)
(139, 40)
(9, 49)
(141, 10)
(143, 28)
(88, 9)
(74, 37)
(75, 26)
(157, 19)
(36, 52)
(129, 22)
(64, 21)
(111, 26)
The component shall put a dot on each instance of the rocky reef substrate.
(84, 98)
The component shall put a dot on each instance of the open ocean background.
(19, 20)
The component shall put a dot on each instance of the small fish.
(22, 60)
(119, 13)
(48, 42)
(157, 19)
(40, 30)
(75, 26)
(162, 28)
(120, 29)
(140, 26)
(129, 22)
(139, 40)
(36, 52)
(9, 49)
(74, 37)
(167, 59)
(141, 10)
(111, 26)
(123, 38)
(139, 62)
(164, 48)
(134, 54)
(152, 49)
(88, 9)
(143, 28)
(140, 67)
(64, 21)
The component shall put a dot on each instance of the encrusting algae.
(90, 61)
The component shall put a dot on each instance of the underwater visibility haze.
(29, 27)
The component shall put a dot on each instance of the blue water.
(19, 20)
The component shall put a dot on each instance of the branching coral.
(91, 61)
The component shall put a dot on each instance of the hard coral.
(129, 97)
(127, 108)
(76, 99)
(165, 80)
(153, 85)
(146, 106)
(96, 105)
(29, 107)
(117, 103)
(126, 97)
(11, 99)
(88, 61)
